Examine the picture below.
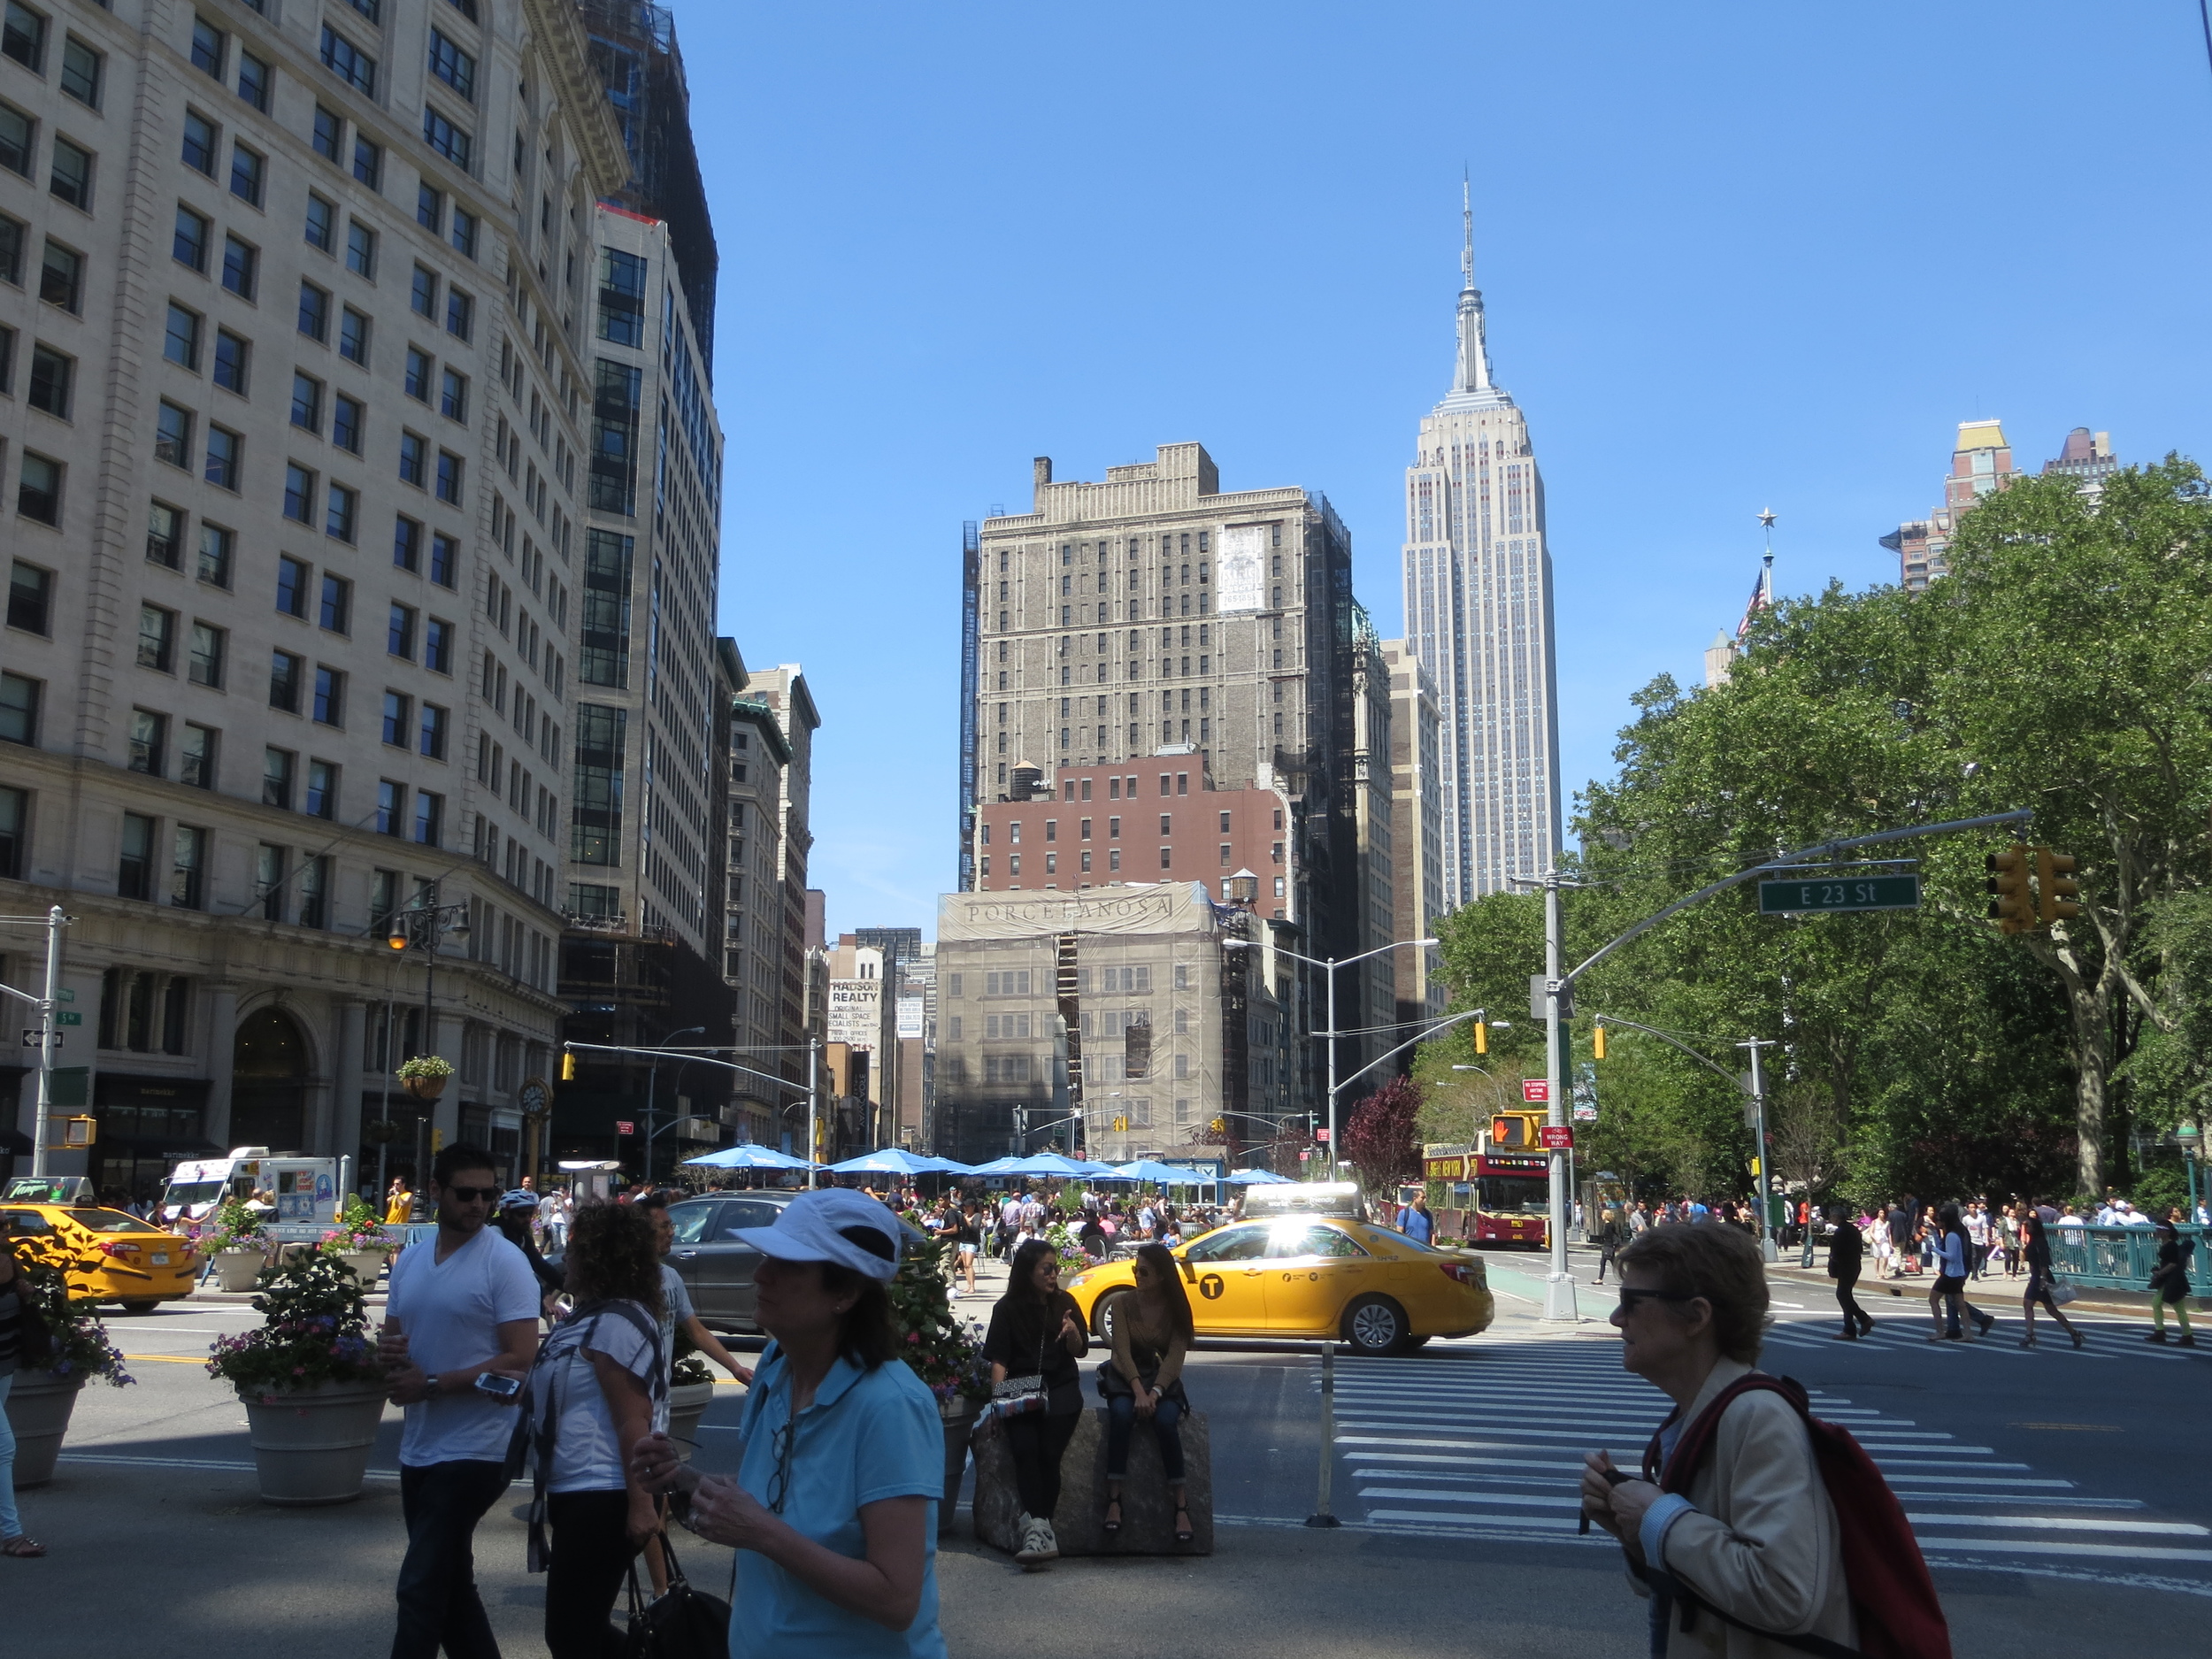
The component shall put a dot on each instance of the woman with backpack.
(592, 1392)
(20, 1326)
(1736, 1528)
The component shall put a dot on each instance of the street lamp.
(424, 925)
(2191, 1139)
(1330, 964)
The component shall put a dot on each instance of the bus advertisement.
(1497, 1191)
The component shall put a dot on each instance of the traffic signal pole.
(1559, 1288)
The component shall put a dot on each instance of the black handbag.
(685, 1623)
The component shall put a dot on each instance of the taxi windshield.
(110, 1221)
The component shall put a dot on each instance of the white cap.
(812, 1229)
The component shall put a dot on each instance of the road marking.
(1508, 1499)
(2033, 1547)
(1519, 1521)
(2061, 1523)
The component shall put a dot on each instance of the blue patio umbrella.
(886, 1161)
(1260, 1178)
(747, 1155)
(1051, 1163)
(996, 1166)
(1164, 1174)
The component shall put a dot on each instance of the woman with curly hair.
(592, 1395)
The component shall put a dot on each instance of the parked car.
(108, 1254)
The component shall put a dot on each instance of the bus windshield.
(1512, 1194)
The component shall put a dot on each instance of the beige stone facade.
(1417, 820)
(293, 436)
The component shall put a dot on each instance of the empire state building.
(1478, 612)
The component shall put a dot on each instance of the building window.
(460, 313)
(224, 448)
(360, 251)
(242, 264)
(285, 672)
(71, 178)
(431, 735)
(314, 320)
(205, 665)
(198, 151)
(452, 64)
(368, 162)
(231, 353)
(188, 868)
(165, 535)
(397, 726)
(348, 416)
(255, 78)
(215, 552)
(353, 336)
(329, 136)
(299, 494)
(447, 138)
(463, 235)
(61, 277)
(595, 833)
(340, 508)
(449, 477)
(322, 790)
(349, 62)
(15, 823)
(391, 806)
(81, 68)
(429, 816)
(196, 756)
(180, 341)
(135, 865)
(268, 885)
(437, 646)
(51, 374)
(148, 741)
(38, 492)
(314, 887)
(249, 174)
(330, 697)
(453, 396)
(621, 298)
(406, 544)
(188, 244)
(278, 767)
(618, 391)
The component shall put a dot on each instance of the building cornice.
(559, 30)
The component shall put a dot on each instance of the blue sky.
(1734, 256)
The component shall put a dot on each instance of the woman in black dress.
(2035, 1245)
(1035, 1337)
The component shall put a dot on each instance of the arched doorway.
(268, 1087)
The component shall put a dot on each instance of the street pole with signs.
(47, 1036)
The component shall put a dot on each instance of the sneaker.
(1047, 1547)
(1025, 1527)
(2156, 1336)
(2188, 1340)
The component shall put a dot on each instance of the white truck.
(306, 1192)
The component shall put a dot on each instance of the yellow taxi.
(1311, 1276)
(108, 1254)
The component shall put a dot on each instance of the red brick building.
(1157, 819)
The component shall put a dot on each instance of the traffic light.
(2010, 907)
(2056, 892)
(1482, 1036)
(1597, 1043)
(1121, 1126)
(568, 1066)
(1219, 1124)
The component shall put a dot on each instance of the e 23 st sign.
(1830, 893)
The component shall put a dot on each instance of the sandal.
(23, 1547)
(1183, 1533)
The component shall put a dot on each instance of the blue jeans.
(438, 1603)
(11, 1523)
(1121, 1420)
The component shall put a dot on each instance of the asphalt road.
(2059, 1495)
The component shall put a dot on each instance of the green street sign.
(1855, 892)
(65, 994)
(63, 1017)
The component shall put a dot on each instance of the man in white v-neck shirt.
(464, 1304)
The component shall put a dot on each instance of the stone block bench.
(1148, 1513)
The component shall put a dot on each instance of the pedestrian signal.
(2056, 892)
(568, 1067)
(1482, 1037)
(437, 1140)
(1597, 1043)
(2010, 904)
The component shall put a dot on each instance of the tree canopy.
(2062, 666)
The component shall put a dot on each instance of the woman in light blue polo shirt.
(833, 1512)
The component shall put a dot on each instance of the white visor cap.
(810, 1229)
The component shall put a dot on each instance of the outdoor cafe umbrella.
(747, 1155)
(1164, 1174)
(1051, 1163)
(1260, 1178)
(889, 1161)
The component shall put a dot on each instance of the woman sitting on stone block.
(1152, 1332)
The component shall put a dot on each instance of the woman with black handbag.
(1035, 1337)
(1152, 1332)
(2035, 1245)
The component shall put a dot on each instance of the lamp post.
(422, 925)
(1330, 964)
(652, 1084)
(2191, 1139)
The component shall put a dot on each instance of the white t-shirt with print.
(451, 1311)
(587, 1457)
(675, 1309)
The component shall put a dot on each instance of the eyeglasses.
(471, 1195)
(780, 1481)
(1629, 1299)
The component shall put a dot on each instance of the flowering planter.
(367, 1265)
(236, 1270)
(39, 1404)
(688, 1402)
(422, 1087)
(311, 1445)
(958, 1415)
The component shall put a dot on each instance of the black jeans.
(591, 1555)
(1037, 1440)
(438, 1603)
(1121, 1422)
(1855, 1317)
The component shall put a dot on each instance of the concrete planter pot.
(367, 1265)
(39, 1404)
(236, 1270)
(688, 1402)
(311, 1446)
(959, 1420)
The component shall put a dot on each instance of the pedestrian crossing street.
(1486, 1442)
(2105, 1340)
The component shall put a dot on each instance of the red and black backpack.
(1892, 1597)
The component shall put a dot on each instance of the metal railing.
(2120, 1258)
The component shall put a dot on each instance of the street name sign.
(1535, 1091)
(68, 1017)
(1856, 893)
(1555, 1137)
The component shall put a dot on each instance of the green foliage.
(2066, 665)
(314, 1329)
(944, 1352)
(235, 1226)
(81, 1344)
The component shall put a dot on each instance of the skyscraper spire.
(1473, 370)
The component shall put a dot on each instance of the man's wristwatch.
(430, 1384)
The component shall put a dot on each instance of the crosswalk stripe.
(1538, 1521)
(2061, 1523)
(2037, 1546)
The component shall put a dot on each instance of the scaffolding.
(633, 52)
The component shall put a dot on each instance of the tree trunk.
(2093, 1064)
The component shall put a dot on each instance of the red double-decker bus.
(1497, 1191)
